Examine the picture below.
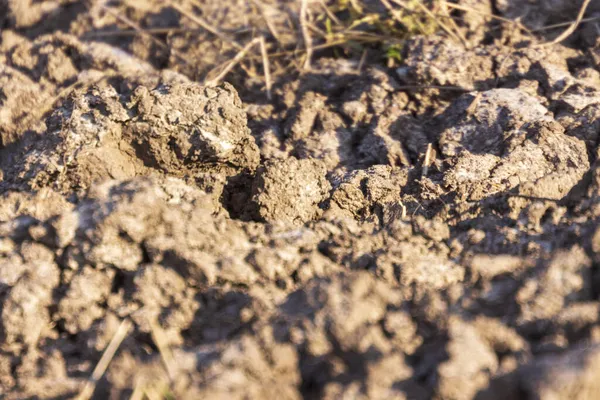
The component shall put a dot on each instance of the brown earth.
(427, 230)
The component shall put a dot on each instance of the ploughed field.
(258, 199)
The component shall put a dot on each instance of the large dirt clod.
(290, 191)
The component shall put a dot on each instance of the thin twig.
(446, 14)
(105, 360)
(357, 7)
(138, 392)
(317, 30)
(501, 66)
(133, 32)
(362, 39)
(417, 87)
(573, 26)
(442, 25)
(306, 33)
(428, 160)
(287, 53)
(249, 69)
(560, 25)
(361, 63)
(395, 16)
(163, 348)
(349, 35)
(474, 104)
(266, 66)
(153, 394)
(268, 21)
(202, 23)
(329, 13)
(238, 57)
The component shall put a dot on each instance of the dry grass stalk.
(561, 24)
(355, 4)
(138, 392)
(403, 210)
(457, 36)
(266, 66)
(317, 30)
(365, 38)
(238, 57)
(473, 106)
(573, 26)
(446, 14)
(361, 63)
(330, 14)
(306, 33)
(153, 394)
(429, 157)
(133, 32)
(105, 360)
(419, 87)
(163, 348)
(268, 21)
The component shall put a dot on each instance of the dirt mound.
(423, 230)
(503, 138)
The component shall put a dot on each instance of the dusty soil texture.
(428, 228)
